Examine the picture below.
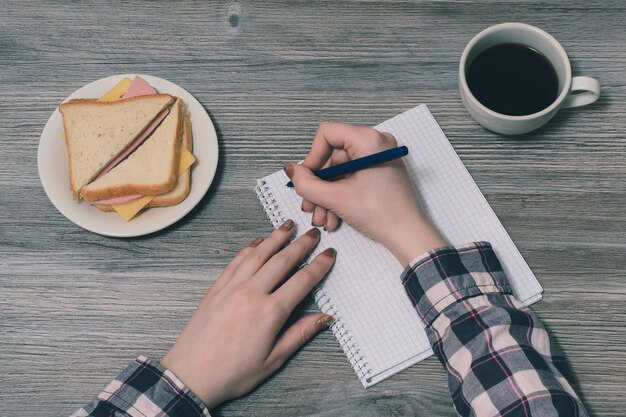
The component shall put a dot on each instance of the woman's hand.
(379, 202)
(234, 341)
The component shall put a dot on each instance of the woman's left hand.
(234, 341)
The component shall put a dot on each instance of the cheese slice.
(117, 91)
(129, 210)
(186, 160)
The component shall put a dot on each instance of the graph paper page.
(377, 326)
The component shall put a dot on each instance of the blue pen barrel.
(360, 163)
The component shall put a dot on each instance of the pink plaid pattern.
(498, 356)
(145, 389)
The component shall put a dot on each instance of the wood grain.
(75, 307)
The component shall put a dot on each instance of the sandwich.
(149, 170)
(97, 132)
(129, 149)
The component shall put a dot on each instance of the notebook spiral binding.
(273, 211)
(350, 347)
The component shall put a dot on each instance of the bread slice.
(96, 132)
(181, 190)
(150, 170)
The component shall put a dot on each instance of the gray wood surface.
(76, 307)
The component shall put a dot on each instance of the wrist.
(413, 238)
(201, 387)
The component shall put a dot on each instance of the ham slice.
(139, 87)
(114, 201)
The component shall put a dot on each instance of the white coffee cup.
(573, 92)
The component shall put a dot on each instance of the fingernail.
(330, 252)
(255, 242)
(288, 225)
(314, 233)
(324, 322)
(289, 169)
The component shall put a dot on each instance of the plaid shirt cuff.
(444, 276)
(145, 389)
(499, 359)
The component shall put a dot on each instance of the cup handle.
(588, 91)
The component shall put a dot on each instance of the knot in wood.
(234, 13)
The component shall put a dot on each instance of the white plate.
(53, 167)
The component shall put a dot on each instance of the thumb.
(296, 336)
(311, 188)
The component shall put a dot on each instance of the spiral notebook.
(376, 325)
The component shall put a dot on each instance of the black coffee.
(513, 79)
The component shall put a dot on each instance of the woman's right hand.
(379, 202)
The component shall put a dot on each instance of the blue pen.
(359, 163)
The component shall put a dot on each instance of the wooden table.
(76, 307)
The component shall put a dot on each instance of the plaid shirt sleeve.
(145, 389)
(499, 358)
